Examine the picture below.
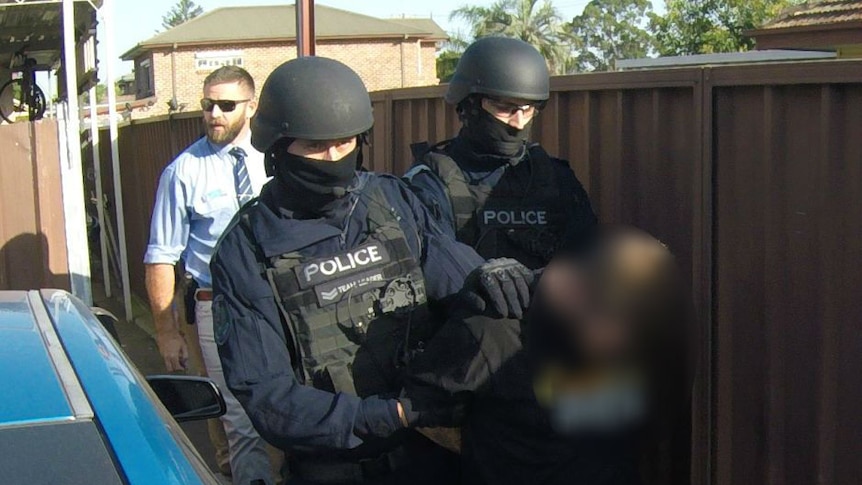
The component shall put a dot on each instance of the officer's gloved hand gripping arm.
(258, 369)
(500, 287)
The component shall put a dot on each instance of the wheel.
(37, 97)
(13, 101)
(9, 99)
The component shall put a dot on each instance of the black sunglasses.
(225, 105)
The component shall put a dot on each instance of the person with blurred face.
(569, 393)
(198, 194)
(490, 186)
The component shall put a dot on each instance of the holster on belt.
(190, 286)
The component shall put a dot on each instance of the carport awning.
(36, 26)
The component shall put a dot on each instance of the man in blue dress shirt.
(198, 194)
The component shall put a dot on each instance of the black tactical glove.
(501, 285)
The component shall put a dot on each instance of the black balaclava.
(312, 185)
(488, 138)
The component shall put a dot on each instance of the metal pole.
(73, 178)
(50, 110)
(108, 20)
(174, 104)
(305, 28)
(97, 174)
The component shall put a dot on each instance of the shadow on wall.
(25, 264)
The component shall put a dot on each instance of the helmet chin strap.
(361, 140)
(468, 107)
(269, 163)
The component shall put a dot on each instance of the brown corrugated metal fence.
(787, 158)
(753, 176)
(146, 147)
(32, 225)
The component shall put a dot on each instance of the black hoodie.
(507, 436)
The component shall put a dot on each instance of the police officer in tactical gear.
(323, 286)
(489, 186)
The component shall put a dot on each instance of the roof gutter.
(137, 50)
(853, 25)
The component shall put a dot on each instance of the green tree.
(101, 95)
(711, 26)
(609, 30)
(449, 55)
(183, 11)
(539, 24)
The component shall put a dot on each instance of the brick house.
(826, 25)
(387, 53)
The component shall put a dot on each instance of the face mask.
(314, 183)
(487, 135)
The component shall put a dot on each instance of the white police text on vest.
(326, 269)
(515, 217)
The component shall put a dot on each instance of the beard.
(227, 134)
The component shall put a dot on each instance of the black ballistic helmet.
(313, 98)
(500, 66)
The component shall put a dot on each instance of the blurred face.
(601, 334)
(514, 112)
(325, 151)
(227, 107)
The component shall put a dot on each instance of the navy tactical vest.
(352, 316)
(514, 219)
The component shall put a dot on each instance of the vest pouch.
(541, 243)
(401, 296)
(527, 230)
(350, 312)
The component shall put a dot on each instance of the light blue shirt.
(195, 201)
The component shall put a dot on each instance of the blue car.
(74, 410)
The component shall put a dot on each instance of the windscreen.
(64, 453)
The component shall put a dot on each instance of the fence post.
(702, 405)
(388, 133)
(108, 19)
(97, 175)
(73, 186)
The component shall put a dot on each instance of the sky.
(137, 21)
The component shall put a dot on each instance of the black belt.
(335, 471)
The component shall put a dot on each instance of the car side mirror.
(108, 320)
(188, 398)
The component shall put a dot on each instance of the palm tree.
(539, 24)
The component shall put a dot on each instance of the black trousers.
(426, 464)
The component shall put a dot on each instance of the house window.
(144, 79)
(212, 60)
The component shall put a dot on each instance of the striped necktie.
(240, 174)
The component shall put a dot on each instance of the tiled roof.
(277, 22)
(825, 12)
